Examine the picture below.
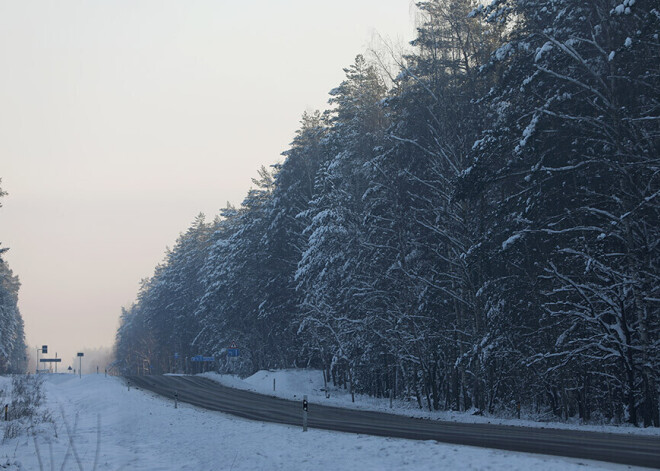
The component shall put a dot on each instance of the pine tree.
(13, 351)
(329, 271)
(569, 169)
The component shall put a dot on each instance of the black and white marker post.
(176, 399)
(305, 407)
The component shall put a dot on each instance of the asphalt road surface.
(617, 448)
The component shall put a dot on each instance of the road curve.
(616, 448)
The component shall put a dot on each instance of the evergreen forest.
(474, 228)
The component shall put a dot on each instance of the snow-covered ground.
(294, 383)
(142, 431)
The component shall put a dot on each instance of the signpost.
(50, 360)
(233, 350)
(80, 355)
(44, 350)
(202, 358)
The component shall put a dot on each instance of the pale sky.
(120, 120)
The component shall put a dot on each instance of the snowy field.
(292, 384)
(141, 431)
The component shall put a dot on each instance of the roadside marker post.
(305, 407)
(6, 412)
(176, 399)
(273, 384)
(129, 385)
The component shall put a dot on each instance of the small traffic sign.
(233, 352)
(50, 360)
(44, 349)
(233, 345)
(176, 356)
(80, 354)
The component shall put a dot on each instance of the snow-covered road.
(141, 431)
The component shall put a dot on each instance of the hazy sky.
(120, 120)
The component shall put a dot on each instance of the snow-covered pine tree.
(417, 229)
(570, 168)
(331, 269)
(13, 351)
(283, 239)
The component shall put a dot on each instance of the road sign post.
(80, 355)
(50, 360)
(305, 407)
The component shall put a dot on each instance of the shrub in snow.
(25, 405)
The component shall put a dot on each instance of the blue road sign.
(176, 356)
(233, 352)
(202, 358)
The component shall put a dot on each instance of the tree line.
(13, 351)
(474, 230)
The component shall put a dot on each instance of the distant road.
(617, 448)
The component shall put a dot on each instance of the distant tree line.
(477, 230)
(13, 351)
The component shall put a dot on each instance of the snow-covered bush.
(26, 399)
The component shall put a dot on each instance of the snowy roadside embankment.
(136, 430)
(294, 383)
